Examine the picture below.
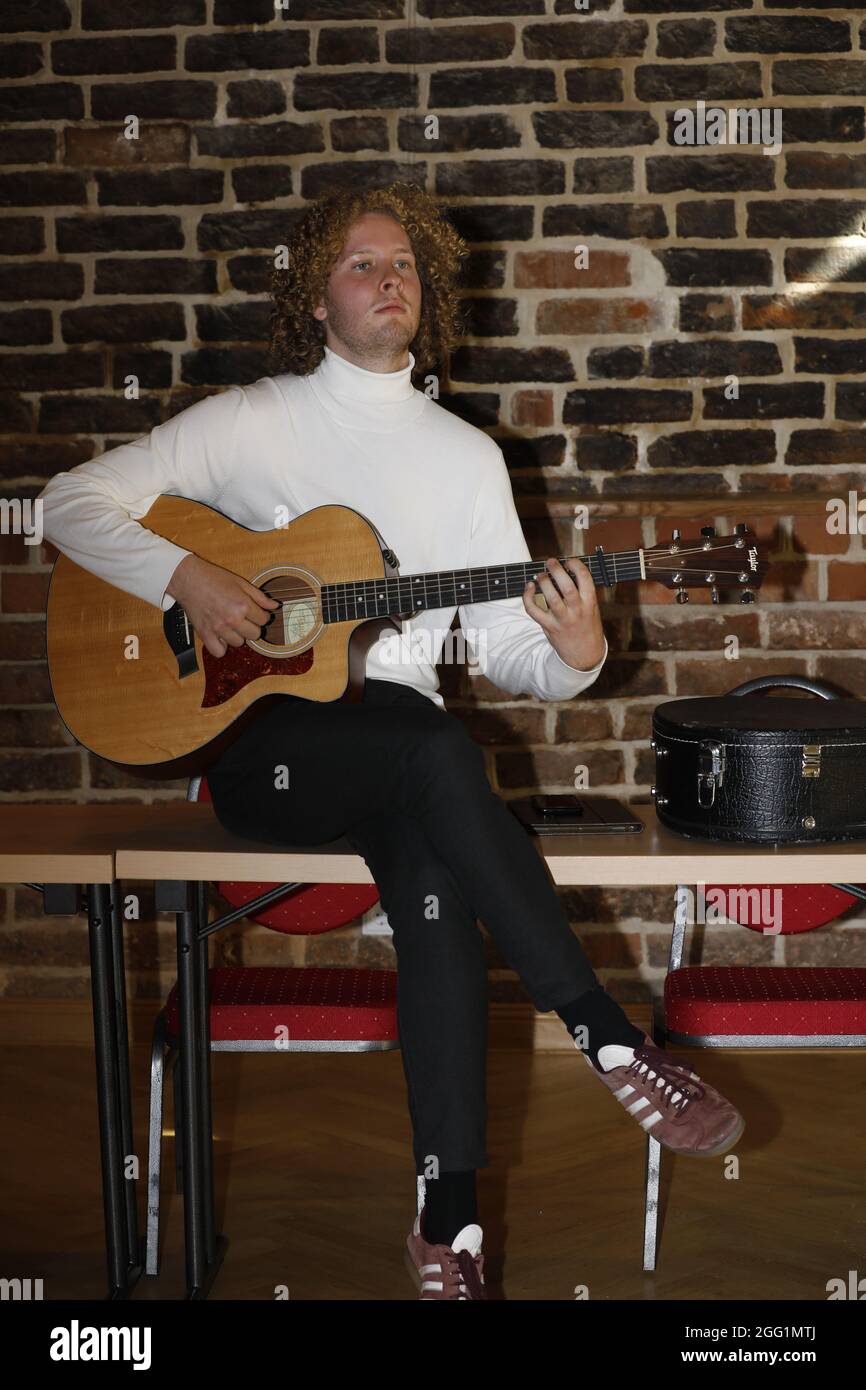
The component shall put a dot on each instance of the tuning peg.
(714, 594)
(708, 530)
(682, 596)
(675, 534)
(747, 596)
(740, 529)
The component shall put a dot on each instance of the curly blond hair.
(298, 339)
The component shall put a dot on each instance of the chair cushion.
(765, 999)
(312, 908)
(804, 906)
(313, 1003)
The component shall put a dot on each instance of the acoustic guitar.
(136, 686)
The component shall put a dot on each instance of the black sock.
(603, 1019)
(449, 1205)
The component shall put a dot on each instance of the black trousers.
(406, 784)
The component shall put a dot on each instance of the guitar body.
(138, 688)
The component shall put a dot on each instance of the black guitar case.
(772, 770)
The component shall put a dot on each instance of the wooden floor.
(315, 1185)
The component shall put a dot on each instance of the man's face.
(375, 268)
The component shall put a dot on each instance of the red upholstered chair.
(275, 1008)
(757, 1006)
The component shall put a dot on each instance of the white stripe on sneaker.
(651, 1120)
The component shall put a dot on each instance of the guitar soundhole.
(285, 647)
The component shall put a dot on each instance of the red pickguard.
(225, 676)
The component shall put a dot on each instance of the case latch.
(711, 771)
(810, 765)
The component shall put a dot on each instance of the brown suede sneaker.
(445, 1271)
(670, 1102)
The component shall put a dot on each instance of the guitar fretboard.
(373, 598)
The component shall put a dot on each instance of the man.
(367, 296)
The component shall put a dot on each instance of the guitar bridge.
(178, 634)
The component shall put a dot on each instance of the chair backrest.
(304, 911)
(799, 906)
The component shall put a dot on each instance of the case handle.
(799, 682)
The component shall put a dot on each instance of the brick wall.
(706, 364)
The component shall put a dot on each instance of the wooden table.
(62, 849)
(181, 847)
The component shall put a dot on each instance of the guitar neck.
(373, 598)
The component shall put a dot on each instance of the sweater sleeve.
(90, 512)
(512, 650)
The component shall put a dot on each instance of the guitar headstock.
(718, 562)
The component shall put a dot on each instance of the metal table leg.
(112, 1078)
(134, 1248)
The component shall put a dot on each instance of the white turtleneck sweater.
(436, 489)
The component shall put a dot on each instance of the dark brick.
(350, 133)
(820, 310)
(618, 362)
(812, 77)
(20, 59)
(585, 129)
(671, 6)
(851, 400)
(261, 183)
(97, 415)
(153, 370)
(814, 169)
(457, 43)
(235, 11)
(28, 146)
(706, 313)
(236, 231)
(50, 371)
(685, 38)
(504, 86)
(224, 366)
(489, 131)
(712, 173)
(23, 16)
(157, 276)
(714, 357)
(148, 14)
(250, 141)
(621, 221)
(539, 451)
(712, 219)
(761, 401)
(811, 124)
(123, 323)
(20, 327)
(180, 100)
(713, 449)
(233, 322)
(480, 408)
(244, 51)
(148, 53)
(42, 188)
(835, 355)
(25, 772)
(42, 101)
(21, 236)
(350, 91)
(457, 9)
(712, 81)
(609, 452)
(254, 99)
(41, 280)
(490, 317)
(696, 632)
(317, 180)
(603, 176)
(786, 34)
(146, 188)
(665, 485)
(615, 404)
(496, 222)
(252, 274)
(486, 177)
(809, 447)
(117, 233)
(511, 364)
(593, 84)
(586, 38)
(804, 217)
(358, 45)
(697, 266)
